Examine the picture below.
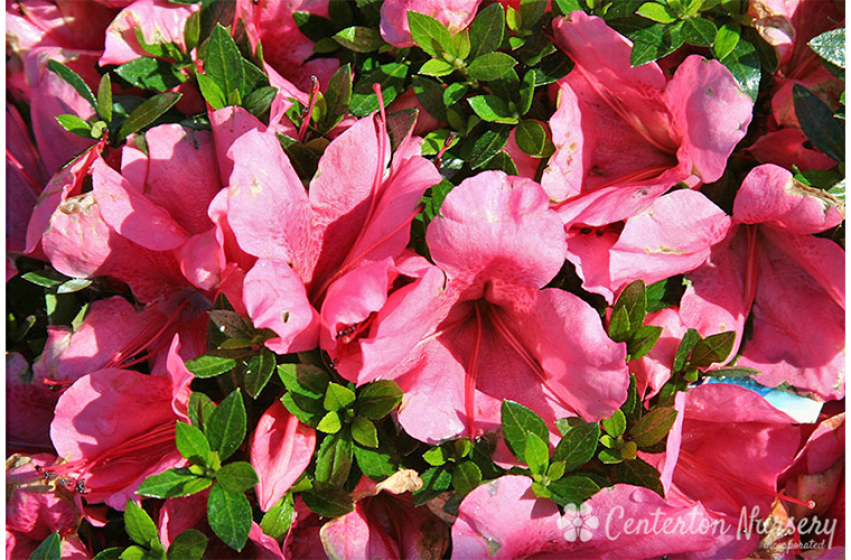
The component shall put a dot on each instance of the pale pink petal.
(133, 215)
(711, 112)
(180, 378)
(353, 536)
(160, 22)
(787, 147)
(496, 226)
(265, 547)
(276, 299)
(567, 167)
(229, 124)
(769, 195)
(589, 250)
(180, 514)
(281, 449)
(202, 260)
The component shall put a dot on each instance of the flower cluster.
(425, 279)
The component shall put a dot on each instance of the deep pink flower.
(632, 129)
(25, 178)
(458, 348)
(791, 283)
(29, 406)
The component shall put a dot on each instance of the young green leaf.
(360, 39)
(699, 32)
(75, 125)
(227, 425)
(334, 459)
(567, 6)
(338, 397)
(259, 372)
(49, 549)
(364, 432)
(188, 545)
(328, 502)
(572, 489)
(726, 39)
(492, 109)
(619, 326)
(609, 456)
(104, 99)
(653, 426)
(429, 34)
(436, 456)
(654, 42)
(148, 112)
(487, 30)
(211, 91)
(616, 424)
(377, 399)
(223, 62)
(139, 525)
(172, 484)
(488, 145)
(206, 366)
(517, 421)
(466, 477)
(192, 444)
(436, 480)
(491, 66)
(713, 349)
(229, 516)
(642, 341)
(461, 44)
(656, 12)
(330, 423)
(743, 63)
(151, 73)
(556, 470)
(830, 46)
(532, 138)
(536, 453)
(74, 80)
(578, 445)
(818, 123)
(436, 67)
(639, 473)
(237, 477)
(276, 522)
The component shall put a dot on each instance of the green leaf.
(75, 125)
(699, 32)
(45, 279)
(572, 489)
(430, 95)
(74, 285)
(642, 341)
(260, 100)
(296, 408)
(487, 30)
(633, 298)
(192, 31)
(377, 463)
(531, 11)
(517, 421)
(436, 67)
(726, 39)
(391, 78)
(713, 349)
(360, 39)
(338, 397)
(259, 372)
(577, 447)
(328, 502)
(532, 138)
(188, 545)
(639, 473)
(139, 525)
(654, 42)
(134, 553)
(656, 12)
(237, 477)
(819, 125)
(229, 516)
(615, 425)
(436, 456)
(313, 27)
(276, 522)
(830, 46)
(619, 325)
(377, 399)
(104, 99)
(364, 432)
(502, 162)
(732, 371)
(113, 553)
(211, 91)
(552, 69)
(688, 342)
(461, 44)
(206, 366)
(49, 549)
(653, 426)
(172, 484)
(148, 112)
(151, 74)
(200, 408)
(556, 470)
(74, 80)
(338, 95)
(491, 66)
(536, 454)
(227, 425)
(223, 62)
(664, 294)
(488, 145)
(567, 6)
(334, 459)
(436, 480)
(743, 63)
(330, 423)
(527, 94)
(610, 456)
(429, 34)
(466, 477)
(492, 109)
(192, 444)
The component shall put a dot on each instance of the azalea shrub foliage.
(420, 279)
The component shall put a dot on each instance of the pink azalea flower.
(771, 267)
(160, 21)
(625, 128)
(356, 212)
(29, 406)
(456, 15)
(108, 458)
(25, 178)
(458, 349)
(281, 449)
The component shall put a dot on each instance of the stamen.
(472, 375)
(640, 175)
(751, 268)
(311, 103)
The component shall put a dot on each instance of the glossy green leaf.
(49, 549)
(338, 95)
(818, 123)
(536, 453)
(436, 480)
(491, 66)
(610, 456)
(188, 545)
(743, 63)
(531, 11)
(377, 399)
(139, 525)
(74, 285)
(653, 426)
(713, 349)
(330, 423)
(259, 372)
(436, 67)
(654, 42)
(656, 12)
(502, 162)
(431, 35)
(237, 477)
(113, 553)
(830, 46)
(639, 473)
(527, 94)
(532, 138)
(487, 30)
(360, 39)
(334, 458)
(726, 39)
(466, 477)
(619, 325)
(192, 444)
(699, 32)
(276, 522)
(572, 489)
(377, 463)
(151, 74)
(690, 338)
(488, 145)
(328, 502)
(567, 6)
(172, 484)
(391, 78)
(517, 421)
(461, 44)
(430, 95)
(211, 91)
(227, 425)
(633, 298)
(642, 341)
(148, 112)
(492, 109)
(616, 424)
(260, 100)
(75, 125)
(229, 515)
(74, 80)
(578, 445)
(206, 366)
(338, 397)
(223, 62)
(364, 432)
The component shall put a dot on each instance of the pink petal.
(133, 215)
(769, 195)
(160, 22)
(568, 166)
(712, 113)
(202, 260)
(785, 147)
(25, 178)
(654, 370)
(353, 536)
(673, 236)
(590, 253)
(29, 406)
(180, 378)
(456, 15)
(276, 299)
(180, 514)
(229, 124)
(487, 225)
(281, 449)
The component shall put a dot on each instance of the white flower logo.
(578, 523)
